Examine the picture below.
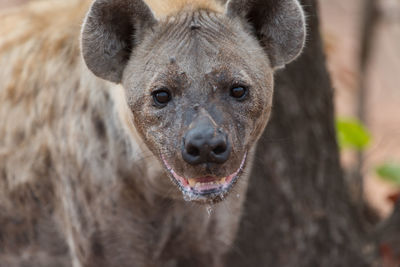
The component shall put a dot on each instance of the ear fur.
(278, 24)
(110, 30)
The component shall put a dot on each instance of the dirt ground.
(341, 32)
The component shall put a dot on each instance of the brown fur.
(80, 183)
(170, 7)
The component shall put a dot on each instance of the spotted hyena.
(128, 140)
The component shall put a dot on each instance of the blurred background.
(362, 44)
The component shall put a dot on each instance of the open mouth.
(205, 187)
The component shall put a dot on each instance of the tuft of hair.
(164, 8)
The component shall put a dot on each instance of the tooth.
(192, 182)
(222, 181)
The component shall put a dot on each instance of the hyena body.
(84, 163)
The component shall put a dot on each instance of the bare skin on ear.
(116, 154)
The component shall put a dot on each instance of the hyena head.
(199, 82)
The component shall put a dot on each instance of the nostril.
(219, 149)
(205, 144)
(193, 151)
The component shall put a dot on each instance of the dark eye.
(161, 97)
(238, 92)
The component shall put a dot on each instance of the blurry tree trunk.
(298, 210)
(367, 27)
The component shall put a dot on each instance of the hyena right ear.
(109, 34)
(278, 24)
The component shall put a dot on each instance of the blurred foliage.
(352, 134)
(389, 172)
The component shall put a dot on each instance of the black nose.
(205, 144)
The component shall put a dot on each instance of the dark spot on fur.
(106, 95)
(50, 210)
(47, 159)
(34, 197)
(26, 264)
(99, 126)
(96, 245)
(85, 105)
(81, 215)
(81, 251)
(21, 199)
(194, 26)
(88, 196)
(22, 240)
(77, 85)
(3, 174)
(19, 137)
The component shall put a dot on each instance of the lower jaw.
(207, 196)
(206, 193)
(209, 190)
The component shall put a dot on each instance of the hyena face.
(205, 96)
(199, 82)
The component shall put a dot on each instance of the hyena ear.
(278, 24)
(110, 32)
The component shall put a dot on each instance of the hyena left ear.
(279, 26)
(111, 30)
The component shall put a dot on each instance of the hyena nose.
(205, 145)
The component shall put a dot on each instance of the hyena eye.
(239, 92)
(161, 97)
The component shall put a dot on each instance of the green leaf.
(352, 134)
(389, 172)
